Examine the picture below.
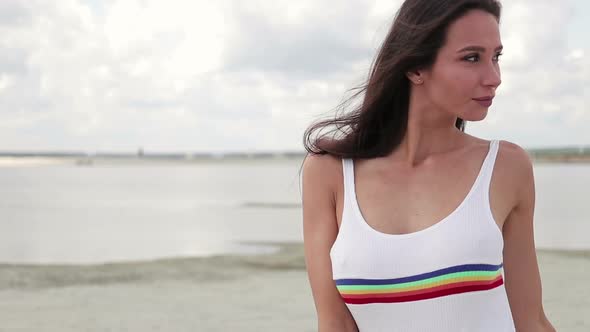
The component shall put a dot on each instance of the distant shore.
(561, 159)
(17, 161)
(569, 153)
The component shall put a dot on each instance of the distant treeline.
(562, 154)
(568, 153)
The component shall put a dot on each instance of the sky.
(235, 76)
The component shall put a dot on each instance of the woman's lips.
(484, 102)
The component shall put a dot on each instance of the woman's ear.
(415, 77)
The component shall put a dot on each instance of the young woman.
(405, 228)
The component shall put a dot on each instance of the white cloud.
(544, 87)
(232, 75)
(574, 55)
(6, 80)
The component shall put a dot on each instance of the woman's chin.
(478, 115)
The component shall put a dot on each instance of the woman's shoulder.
(513, 164)
(513, 157)
(321, 161)
(510, 154)
(513, 172)
(324, 169)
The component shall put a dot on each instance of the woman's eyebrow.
(478, 48)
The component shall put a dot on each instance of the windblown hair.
(376, 126)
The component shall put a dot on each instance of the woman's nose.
(492, 76)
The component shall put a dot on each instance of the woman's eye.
(475, 57)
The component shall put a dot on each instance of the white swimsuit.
(445, 278)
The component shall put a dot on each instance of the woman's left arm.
(521, 272)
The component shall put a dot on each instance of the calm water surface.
(88, 214)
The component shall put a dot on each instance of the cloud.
(545, 80)
(13, 12)
(247, 75)
(313, 40)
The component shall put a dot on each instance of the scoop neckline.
(430, 228)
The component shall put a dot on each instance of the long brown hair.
(377, 126)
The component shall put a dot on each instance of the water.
(64, 213)
(562, 211)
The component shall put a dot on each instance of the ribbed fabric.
(445, 278)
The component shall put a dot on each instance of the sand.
(222, 293)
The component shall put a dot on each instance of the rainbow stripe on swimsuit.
(448, 281)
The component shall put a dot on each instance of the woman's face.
(466, 67)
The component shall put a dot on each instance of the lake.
(72, 214)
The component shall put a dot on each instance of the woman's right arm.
(320, 173)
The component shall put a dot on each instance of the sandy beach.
(267, 292)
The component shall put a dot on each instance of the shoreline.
(276, 252)
(288, 256)
(89, 161)
(250, 293)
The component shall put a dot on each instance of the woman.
(405, 229)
